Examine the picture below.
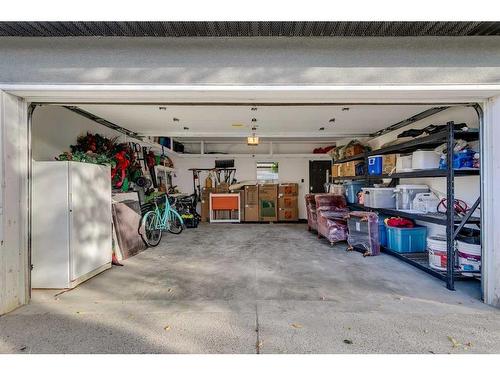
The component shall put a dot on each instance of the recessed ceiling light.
(254, 120)
(175, 119)
(322, 128)
(345, 108)
(162, 108)
(253, 108)
(332, 119)
(186, 128)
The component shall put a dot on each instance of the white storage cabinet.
(71, 223)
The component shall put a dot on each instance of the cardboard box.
(388, 163)
(336, 170)
(223, 187)
(242, 203)
(288, 214)
(288, 209)
(341, 170)
(350, 168)
(353, 150)
(205, 204)
(288, 202)
(268, 202)
(288, 189)
(251, 198)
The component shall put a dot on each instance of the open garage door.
(14, 121)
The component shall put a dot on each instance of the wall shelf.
(427, 142)
(435, 218)
(421, 261)
(450, 220)
(351, 158)
(309, 156)
(158, 147)
(165, 169)
(414, 174)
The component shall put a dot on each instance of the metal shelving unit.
(453, 222)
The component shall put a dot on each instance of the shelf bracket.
(466, 218)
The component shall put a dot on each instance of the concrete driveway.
(255, 289)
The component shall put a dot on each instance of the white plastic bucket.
(436, 247)
(469, 256)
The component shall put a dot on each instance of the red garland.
(122, 163)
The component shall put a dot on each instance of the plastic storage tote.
(379, 197)
(375, 165)
(403, 163)
(363, 232)
(352, 188)
(406, 240)
(406, 193)
(382, 232)
(425, 160)
(337, 189)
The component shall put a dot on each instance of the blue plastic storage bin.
(375, 165)
(382, 232)
(407, 240)
(352, 188)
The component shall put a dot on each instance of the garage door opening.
(97, 169)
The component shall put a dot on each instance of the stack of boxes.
(348, 169)
(265, 202)
(251, 202)
(288, 209)
(268, 202)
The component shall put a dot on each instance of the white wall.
(56, 128)
(291, 169)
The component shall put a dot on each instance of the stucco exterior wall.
(251, 61)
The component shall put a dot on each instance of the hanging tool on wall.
(139, 153)
(150, 160)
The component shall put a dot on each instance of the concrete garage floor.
(255, 289)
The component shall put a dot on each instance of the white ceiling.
(287, 121)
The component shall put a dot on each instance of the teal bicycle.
(154, 222)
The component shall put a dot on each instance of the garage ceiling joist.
(247, 29)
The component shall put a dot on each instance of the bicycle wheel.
(150, 233)
(175, 223)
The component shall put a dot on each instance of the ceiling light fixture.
(254, 120)
(332, 119)
(253, 108)
(253, 140)
(322, 128)
(186, 128)
(175, 119)
(162, 108)
(345, 108)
